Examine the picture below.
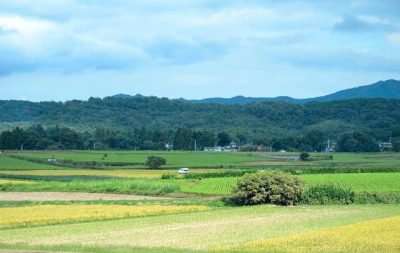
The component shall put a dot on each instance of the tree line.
(37, 137)
(376, 117)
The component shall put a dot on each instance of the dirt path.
(67, 196)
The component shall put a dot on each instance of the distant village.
(233, 147)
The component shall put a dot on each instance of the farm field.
(221, 228)
(359, 182)
(380, 235)
(52, 214)
(113, 203)
(136, 160)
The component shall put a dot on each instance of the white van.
(183, 171)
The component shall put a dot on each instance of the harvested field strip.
(69, 196)
(381, 235)
(6, 181)
(51, 214)
(200, 230)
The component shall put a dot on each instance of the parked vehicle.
(183, 171)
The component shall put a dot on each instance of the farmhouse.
(213, 149)
(385, 146)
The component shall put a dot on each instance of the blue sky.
(71, 49)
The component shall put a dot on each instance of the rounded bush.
(267, 188)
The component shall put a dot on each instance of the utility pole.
(94, 145)
(195, 145)
(22, 147)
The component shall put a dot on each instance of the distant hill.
(389, 89)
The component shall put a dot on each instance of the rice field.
(359, 182)
(380, 235)
(178, 159)
(206, 230)
(52, 214)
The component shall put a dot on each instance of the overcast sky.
(71, 49)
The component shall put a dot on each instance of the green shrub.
(168, 176)
(154, 162)
(304, 156)
(330, 193)
(377, 198)
(267, 187)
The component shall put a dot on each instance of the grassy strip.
(198, 201)
(125, 186)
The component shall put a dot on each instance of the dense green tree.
(223, 139)
(183, 139)
(155, 162)
(267, 188)
(314, 141)
(357, 142)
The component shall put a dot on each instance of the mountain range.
(389, 89)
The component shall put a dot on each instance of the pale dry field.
(379, 235)
(205, 230)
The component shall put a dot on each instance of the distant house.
(232, 147)
(385, 146)
(258, 147)
(213, 149)
(169, 147)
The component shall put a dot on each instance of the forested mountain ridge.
(389, 89)
(377, 116)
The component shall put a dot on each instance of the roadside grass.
(54, 214)
(204, 230)
(380, 235)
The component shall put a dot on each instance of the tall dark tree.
(223, 139)
(357, 142)
(183, 139)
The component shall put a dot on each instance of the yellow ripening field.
(51, 214)
(86, 172)
(6, 181)
(380, 235)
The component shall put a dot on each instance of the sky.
(75, 49)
